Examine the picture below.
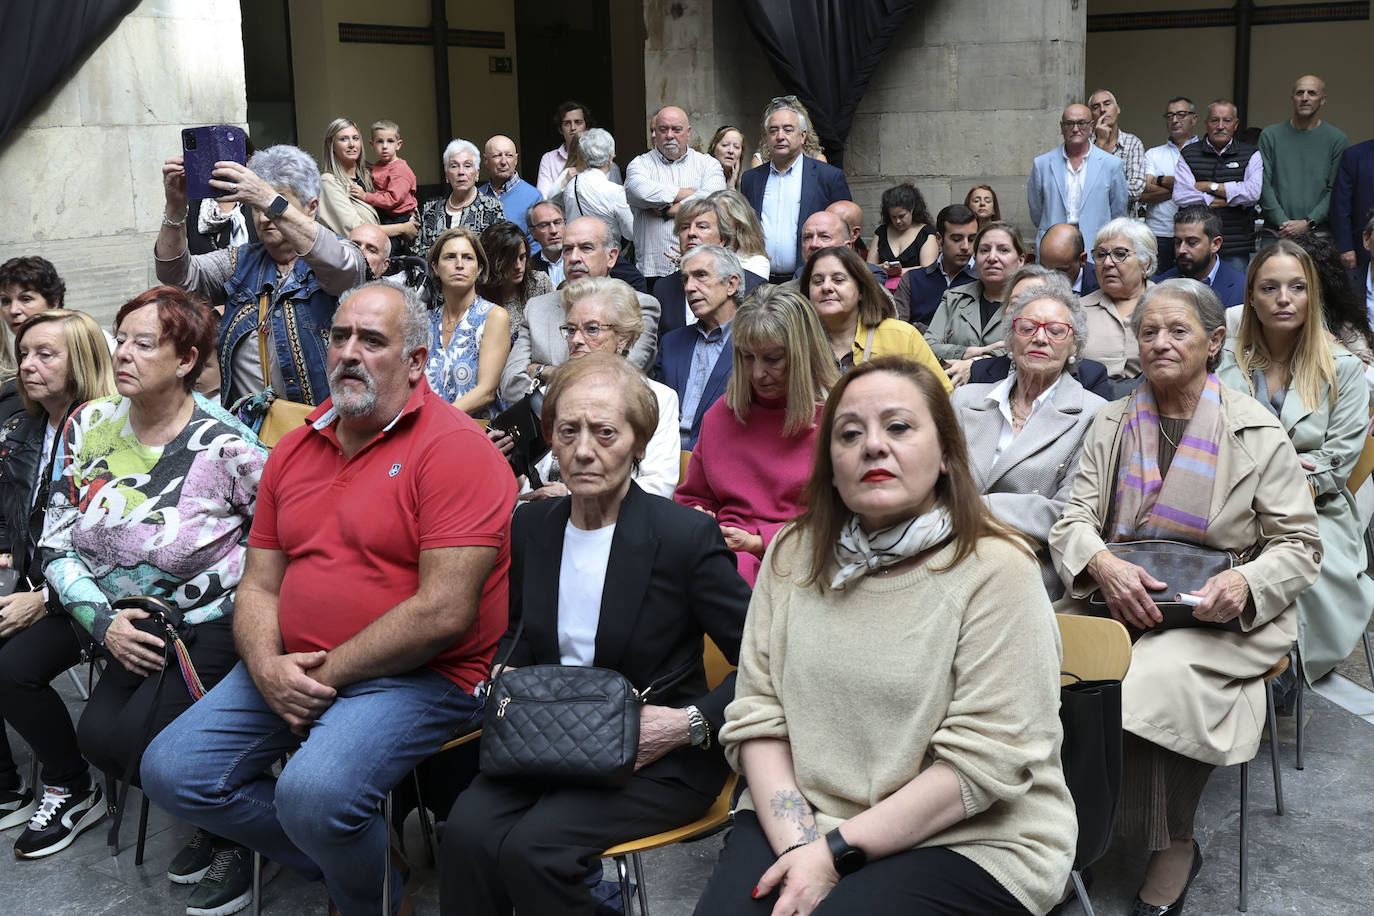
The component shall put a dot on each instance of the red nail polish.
(754, 893)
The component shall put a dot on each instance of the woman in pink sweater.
(757, 443)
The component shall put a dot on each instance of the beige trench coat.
(1197, 691)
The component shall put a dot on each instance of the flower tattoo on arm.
(789, 805)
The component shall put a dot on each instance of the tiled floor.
(1315, 859)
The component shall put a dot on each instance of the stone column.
(83, 180)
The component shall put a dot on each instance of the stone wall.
(83, 182)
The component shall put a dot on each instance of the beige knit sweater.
(872, 684)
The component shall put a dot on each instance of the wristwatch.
(277, 207)
(848, 859)
(1215, 187)
(697, 729)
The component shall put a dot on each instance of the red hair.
(186, 324)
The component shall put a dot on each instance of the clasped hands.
(1125, 587)
(287, 685)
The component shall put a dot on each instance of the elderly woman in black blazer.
(612, 577)
(1025, 433)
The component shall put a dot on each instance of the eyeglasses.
(1116, 255)
(1076, 125)
(548, 224)
(1054, 330)
(1178, 115)
(590, 331)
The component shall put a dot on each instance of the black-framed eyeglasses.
(1178, 115)
(1054, 330)
(1076, 125)
(1116, 255)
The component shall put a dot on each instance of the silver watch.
(697, 729)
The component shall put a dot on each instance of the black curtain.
(41, 40)
(825, 52)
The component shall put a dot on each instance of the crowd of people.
(609, 419)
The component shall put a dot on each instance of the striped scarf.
(1151, 505)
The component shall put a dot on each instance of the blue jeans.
(320, 817)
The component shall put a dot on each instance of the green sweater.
(1299, 169)
(872, 684)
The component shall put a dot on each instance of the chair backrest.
(1363, 466)
(1095, 648)
(683, 459)
(717, 667)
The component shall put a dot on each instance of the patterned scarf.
(1151, 505)
(859, 553)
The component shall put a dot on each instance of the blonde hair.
(1311, 365)
(776, 317)
(386, 124)
(746, 229)
(90, 371)
(331, 164)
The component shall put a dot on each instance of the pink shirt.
(395, 184)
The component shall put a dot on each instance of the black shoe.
(16, 806)
(191, 864)
(61, 817)
(228, 883)
(1141, 908)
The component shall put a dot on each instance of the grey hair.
(724, 262)
(609, 237)
(415, 323)
(1198, 296)
(290, 167)
(529, 212)
(627, 316)
(1038, 272)
(785, 103)
(597, 146)
(1139, 235)
(459, 146)
(1057, 289)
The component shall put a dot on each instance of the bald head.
(375, 245)
(824, 229)
(1309, 95)
(1076, 125)
(501, 158)
(853, 216)
(671, 132)
(1062, 249)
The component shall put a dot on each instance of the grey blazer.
(1029, 485)
(540, 341)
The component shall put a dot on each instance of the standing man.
(1161, 162)
(922, 289)
(697, 359)
(1352, 199)
(1076, 182)
(371, 604)
(1126, 146)
(505, 184)
(788, 188)
(1197, 242)
(656, 184)
(1227, 174)
(1301, 156)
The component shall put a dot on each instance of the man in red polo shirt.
(373, 599)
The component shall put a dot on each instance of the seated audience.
(756, 448)
(373, 597)
(589, 250)
(904, 240)
(1193, 698)
(968, 322)
(63, 364)
(464, 205)
(586, 589)
(700, 221)
(469, 336)
(511, 281)
(153, 494)
(739, 221)
(1025, 433)
(727, 146)
(296, 294)
(982, 200)
(545, 222)
(1285, 358)
(901, 756)
(1124, 257)
(1061, 248)
(1346, 318)
(591, 193)
(920, 291)
(695, 361)
(28, 285)
(857, 313)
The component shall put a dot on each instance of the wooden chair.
(683, 460)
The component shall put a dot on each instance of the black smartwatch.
(848, 859)
(277, 207)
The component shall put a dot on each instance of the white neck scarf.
(859, 553)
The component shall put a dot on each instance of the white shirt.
(1074, 180)
(581, 580)
(1002, 396)
(652, 183)
(591, 193)
(1162, 161)
(781, 207)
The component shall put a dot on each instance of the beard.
(1187, 267)
(347, 402)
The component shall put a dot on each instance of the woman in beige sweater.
(896, 710)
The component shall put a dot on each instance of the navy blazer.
(1229, 284)
(925, 288)
(675, 370)
(1089, 277)
(822, 185)
(1359, 280)
(1091, 374)
(672, 300)
(1352, 197)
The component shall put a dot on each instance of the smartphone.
(202, 147)
(893, 268)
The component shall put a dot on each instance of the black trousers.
(507, 845)
(29, 660)
(115, 729)
(918, 882)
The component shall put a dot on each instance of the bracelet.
(171, 224)
(792, 847)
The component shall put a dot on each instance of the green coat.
(958, 323)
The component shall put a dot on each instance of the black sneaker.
(61, 817)
(228, 883)
(16, 806)
(191, 864)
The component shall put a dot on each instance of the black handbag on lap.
(1183, 568)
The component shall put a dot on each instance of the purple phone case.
(202, 147)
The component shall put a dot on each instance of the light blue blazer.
(1104, 192)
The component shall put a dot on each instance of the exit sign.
(501, 64)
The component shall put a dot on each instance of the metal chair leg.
(81, 690)
(1297, 708)
(1082, 892)
(386, 857)
(427, 827)
(627, 901)
(111, 805)
(1369, 656)
(257, 883)
(1274, 747)
(142, 829)
(1244, 832)
(643, 890)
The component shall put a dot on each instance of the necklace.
(1166, 435)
